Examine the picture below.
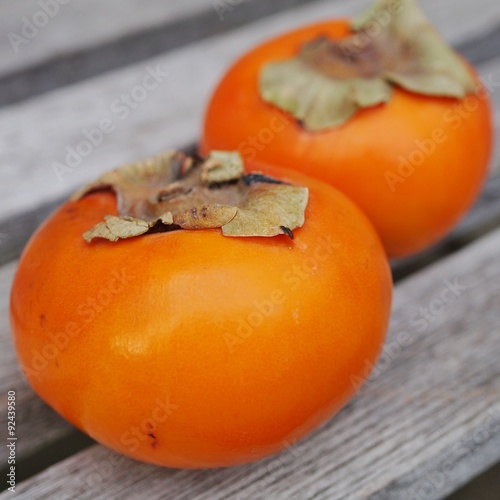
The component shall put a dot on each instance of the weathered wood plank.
(36, 134)
(427, 421)
(85, 39)
(48, 427)
(37, 31)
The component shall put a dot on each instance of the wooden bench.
(427, 422)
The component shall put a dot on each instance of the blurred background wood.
(66, 79)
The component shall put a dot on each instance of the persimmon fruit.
(411, 151)
(190, 348)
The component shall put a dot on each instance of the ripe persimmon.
(179, 343)
(380, 108)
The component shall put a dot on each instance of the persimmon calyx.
(173, 191)
(392, 44)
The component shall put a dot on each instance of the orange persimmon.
(190, 348)
(413, 159)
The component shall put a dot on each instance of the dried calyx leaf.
(392, 44)
(173, 191)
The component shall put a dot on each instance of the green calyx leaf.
(392, 44)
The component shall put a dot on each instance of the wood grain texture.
(73, 26)
(35, 134)
(65, 27)
(426, 422)
(48, 426)
(114, 35)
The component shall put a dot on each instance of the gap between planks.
(71, 29)
(78, 26)
(73, 46)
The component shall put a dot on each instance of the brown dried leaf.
(221, 167)
(184, 193)
(136, 184)
(268, 209)
(330, 80)
(114, 228)
(315, 99)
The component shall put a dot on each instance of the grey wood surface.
(427, 421)
(25, 182)
(84, 39)
(66, 27)
(35, 32)
(35, 133)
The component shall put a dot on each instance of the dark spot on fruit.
(154, 443)
(42, 319)
(71, 212)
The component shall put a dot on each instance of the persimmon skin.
(414, 165)
(162, 371)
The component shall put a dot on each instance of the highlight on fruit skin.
(380, 107)
(186, 347)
